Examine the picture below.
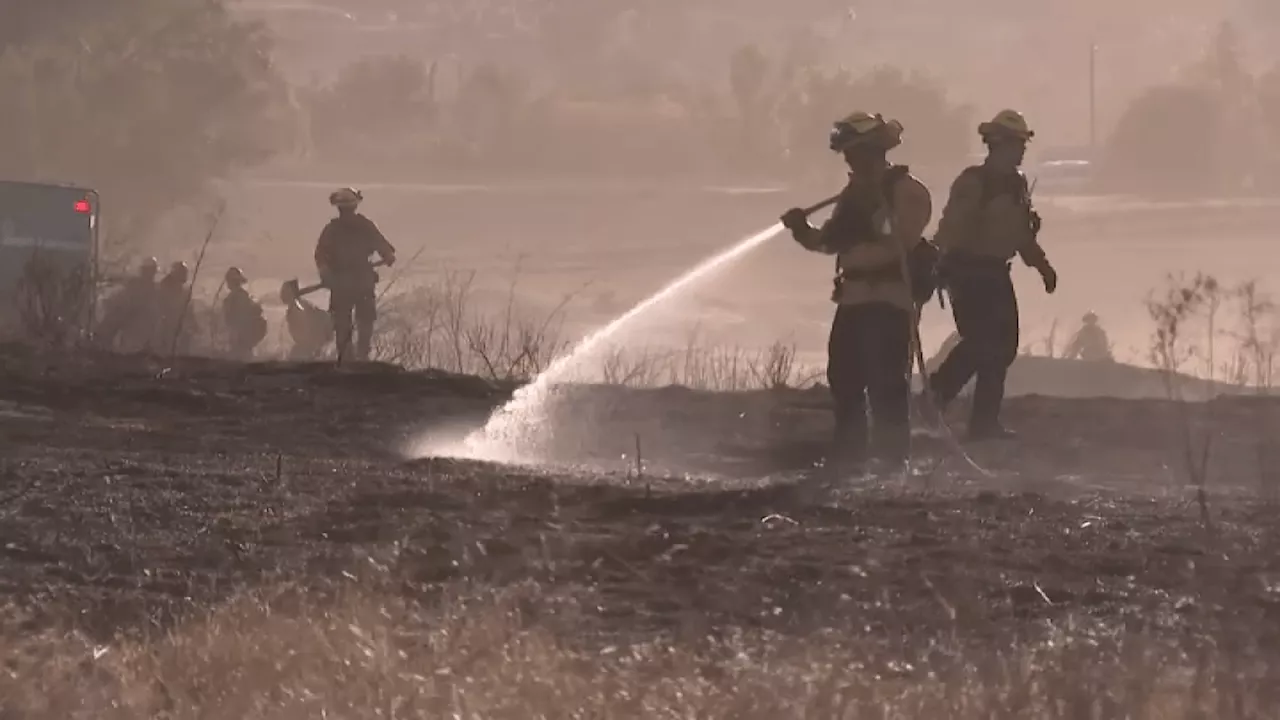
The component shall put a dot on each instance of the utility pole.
(1093, 99)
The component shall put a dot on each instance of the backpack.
(922, 260)
(258, 329)
(247, 316)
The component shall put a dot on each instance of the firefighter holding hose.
(883, 272)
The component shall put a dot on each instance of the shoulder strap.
(991, 187)
(984, 181)
(890, 180)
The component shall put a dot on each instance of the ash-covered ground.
(136, 492)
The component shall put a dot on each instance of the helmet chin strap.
(866, 158)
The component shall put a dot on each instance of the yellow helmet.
(345, 196)
(1008, 124)
(861, 127)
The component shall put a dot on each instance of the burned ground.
(137, 492)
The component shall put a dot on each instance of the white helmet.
(346, 196)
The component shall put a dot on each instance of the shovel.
(292, 287)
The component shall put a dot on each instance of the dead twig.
(639, 459)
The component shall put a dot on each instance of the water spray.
(512, 432)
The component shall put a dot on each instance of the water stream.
(514, 431)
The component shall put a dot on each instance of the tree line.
(148, 100)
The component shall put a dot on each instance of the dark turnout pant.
(986, 313)
(344, 303)
(867, 360)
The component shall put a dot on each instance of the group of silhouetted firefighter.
(147, 315)
(886, 270)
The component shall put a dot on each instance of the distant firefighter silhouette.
(129, 319)
(246, 325)
(1090, 342)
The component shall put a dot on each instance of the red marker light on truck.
(83, 207)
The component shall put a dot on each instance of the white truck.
(48, 255)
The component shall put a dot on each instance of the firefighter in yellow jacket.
(874, 231)
(988, 219)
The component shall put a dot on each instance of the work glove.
(1050, 277)
(795, 220)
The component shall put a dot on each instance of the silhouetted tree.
(1222, 68)
(1203, 135)
(383, 97)
(144, 99)
(1164, 142)
(938, 132)
(489, 113)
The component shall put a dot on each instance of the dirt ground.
(133, 494)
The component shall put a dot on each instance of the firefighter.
(875, 232)
(243, 316)
(129, 317)
(342, 259)
(176, 324)
(310, 328)
(988, 219)
(1090, 342)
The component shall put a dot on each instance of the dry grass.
(51, 303)
(1187, 313)
(439, 325)
(356, 655)
(707, 367)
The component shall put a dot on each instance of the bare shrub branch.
(52, 301)
(1174, 312)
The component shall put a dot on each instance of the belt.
(970, 262)
(881, 273)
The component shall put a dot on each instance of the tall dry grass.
(360, 655)
(440, 325)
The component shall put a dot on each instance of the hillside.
(205, 440)
(139, 497)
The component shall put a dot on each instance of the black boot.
(930, 397)
(891, 449)
(988, 396)
(364, 339)
(892, 443)
(848, 452)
